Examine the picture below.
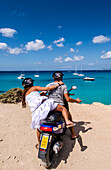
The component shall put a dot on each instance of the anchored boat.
(89, 79)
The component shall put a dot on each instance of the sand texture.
(91, 151)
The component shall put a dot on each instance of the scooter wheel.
(47, 162)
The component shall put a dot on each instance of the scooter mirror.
(73, 87)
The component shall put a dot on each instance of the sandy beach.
(91, 151)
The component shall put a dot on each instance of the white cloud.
(50, 47)
(37, 45)
(59, 41)
(72, 50)
(91, 64)
(78, 58)
(106, 55)
(60, 45)
(3, 46)
(59, 26)
(68, 59)
(103, 51)
(15, 51)
(100, 39)
(79, 43)
(38, 63)
(66, 67)
(7, 32)
(75, 58)
(58, 60)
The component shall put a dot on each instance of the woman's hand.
(60, 83)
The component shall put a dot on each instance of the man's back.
(58, 93)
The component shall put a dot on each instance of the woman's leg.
(64, 113)
(38, 137)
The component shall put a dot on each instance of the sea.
(88, 91)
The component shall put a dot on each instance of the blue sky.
(55, 34)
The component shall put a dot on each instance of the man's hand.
(78, 100)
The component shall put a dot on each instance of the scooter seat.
(53, 118)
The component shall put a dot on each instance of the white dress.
(39, 110)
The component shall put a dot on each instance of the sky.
(55, 35)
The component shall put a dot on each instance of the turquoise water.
(89, 92)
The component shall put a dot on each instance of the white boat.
(22, 76)
(81, 75)
(36, 75)
(75, 74)
(89, 79)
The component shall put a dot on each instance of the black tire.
(47, 162)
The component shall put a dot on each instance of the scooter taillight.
(46, 128)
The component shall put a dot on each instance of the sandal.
(69, 125)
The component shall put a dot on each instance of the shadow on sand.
(69, 144)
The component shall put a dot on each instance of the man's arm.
(69, 99)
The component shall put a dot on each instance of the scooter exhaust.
(57, 146)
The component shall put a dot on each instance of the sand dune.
(91, 151)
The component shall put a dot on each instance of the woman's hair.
(27, 83)
(23, 96)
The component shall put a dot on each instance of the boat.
(22, 76)
(75, 74)
(36, 75)
(89, 79)
(81, 73)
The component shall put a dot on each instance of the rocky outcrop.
(12, 96)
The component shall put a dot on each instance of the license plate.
(44, 142)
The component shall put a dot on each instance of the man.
(61, 96)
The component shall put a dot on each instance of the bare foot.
(74, 137)
(69, 124)
(37, 146)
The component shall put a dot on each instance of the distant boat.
(89, 79)
(36, 75)
(81, 73)
(22, 76)
(75, 74)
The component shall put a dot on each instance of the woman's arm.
(38, 88)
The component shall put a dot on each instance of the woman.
(40, 105)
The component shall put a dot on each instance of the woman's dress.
(39, 108)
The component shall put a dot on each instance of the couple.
(40, 105)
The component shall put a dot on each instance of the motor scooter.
(52, 129)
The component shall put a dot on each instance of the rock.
(14, 157)
(8, 157)
(12, 96)
(4, 100)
